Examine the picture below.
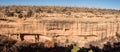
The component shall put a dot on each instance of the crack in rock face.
(62, 26)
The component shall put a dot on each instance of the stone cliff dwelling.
(59, 28)
(80, 26)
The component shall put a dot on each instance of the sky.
(108, 4)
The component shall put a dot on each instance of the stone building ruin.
(61, 30)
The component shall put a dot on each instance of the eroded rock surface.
(64, 26)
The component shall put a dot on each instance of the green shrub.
(20, 16)
(75, 48)
(29, 13)
(90, 51)
(38, 10)
(118, 36)
(9, 14)
(17, 10)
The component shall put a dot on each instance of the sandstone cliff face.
(64, 26)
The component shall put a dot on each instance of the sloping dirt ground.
(10, 45)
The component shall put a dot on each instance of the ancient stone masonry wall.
(61, 30)
(61, 25)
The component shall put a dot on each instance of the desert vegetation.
(10, 45)
(33, 11)
(59, 29)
